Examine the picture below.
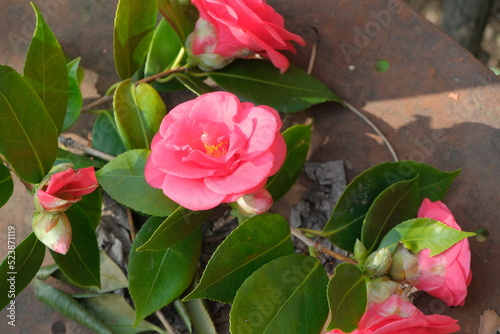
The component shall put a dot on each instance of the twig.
(107, 98)
(68, 142)
(299, 235)
(165, 73)
(314, 50)
(165, 323)
(375, 128)
(131, 224)
(97, 102)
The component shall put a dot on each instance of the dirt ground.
(432, 10)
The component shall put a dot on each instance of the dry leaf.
(489, 323)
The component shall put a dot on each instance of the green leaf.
(287, 295)
(346, 221)
(180, 14)
(183, 313)
(420, 233)
(254, 243)
(91, 204)
(258, 81)
(298, 140)
(81, 262)
(163, 50)
(28, 136)
(105, 136)
(158, 278)
(135, 22)
(138, 113)
(19, 266)
(111, 276)
(194, 84)
(202, 322)
(396, 204)
(78, 161)
(123, 180)
(346, 297)
(178, 226)
(74, 96)
(117, 314)
(45, 69)
(6, 184)
(69, 307)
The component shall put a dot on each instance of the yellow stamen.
(216, 150)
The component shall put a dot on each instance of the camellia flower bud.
(254, 204)
(379, 262)
(404, 264)
(54, 230)
(381, 288)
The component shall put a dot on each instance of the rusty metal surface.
(436, 104)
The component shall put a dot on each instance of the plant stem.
(27, 185)
(68, 142)
(299, 235)
(107, 98)
(162, 74)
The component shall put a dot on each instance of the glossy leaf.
(163, 50)
(178, 226)
(78, 161)
(258, 81)
(180, 14)
(345, 223)
(157, 278)
(81, 262)
(287, 295)
(420, 233)
(91, 204)
(28, 136)
(117, 314)
(45, 69)
(19, 266)
(75, 99)
(6, 184)
(138, 113)
(135, 22)
(254, 243)
(396, 204)
(298, 140)
(194, 84)
(123, 180)
(346, 297)
(69, 307)
(105, 136)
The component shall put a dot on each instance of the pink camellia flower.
(57, 193)
(397, 316)
(215, 149)
(447, 275)
(230, 29)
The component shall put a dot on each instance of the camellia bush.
(226, 147)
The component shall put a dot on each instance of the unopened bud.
(379, 262)
(404, 264)
(381, 288)
(53, 230)
(254, 204)
(360, 252)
